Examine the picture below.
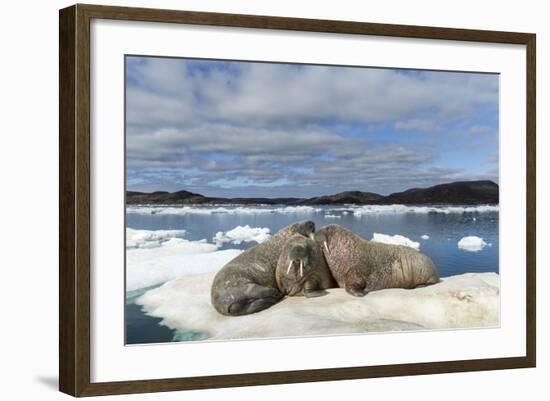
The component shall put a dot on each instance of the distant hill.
(164, 197)
(461, 192)
(353, 197)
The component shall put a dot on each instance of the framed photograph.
(250, 200)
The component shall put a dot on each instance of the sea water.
(437, 231)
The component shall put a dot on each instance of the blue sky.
(244, 129)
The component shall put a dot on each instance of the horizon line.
(316, 196)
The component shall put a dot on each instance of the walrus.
(361, 266)
(247, 283)
(301, 268)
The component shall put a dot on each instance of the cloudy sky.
(262, 129)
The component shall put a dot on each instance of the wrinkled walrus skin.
(302, 270)
(247, 283)
(361, 266)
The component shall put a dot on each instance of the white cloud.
(248, 126)
(261, 93)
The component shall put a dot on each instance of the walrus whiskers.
(309, 274)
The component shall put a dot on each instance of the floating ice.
(332, 216)
(425, 236)
(207, 210)
(464, 301)
(472, 244)
(242, 234)
(356, 210)
(298, 209)
(395, 240)
(401, 209)
(171, 259)
(150, 238)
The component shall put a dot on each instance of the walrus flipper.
(314, 293)
(356, 291)
(313, 289)
(254, 298)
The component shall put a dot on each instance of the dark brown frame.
(74, 199)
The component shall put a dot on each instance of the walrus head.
(323, 237)
(295, 264)
(305, 228)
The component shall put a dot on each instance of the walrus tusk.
(289, 266)
(326, 246)
(301, 268)
(312, 236)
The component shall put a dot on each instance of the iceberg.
(395, 240)
(465, 301)
(472, 244)
(241, 234)
(425, 236)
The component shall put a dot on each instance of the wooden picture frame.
(74, 199)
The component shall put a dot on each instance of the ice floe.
(156, 256)
(329, 210)
(165, 257)
(241, 234)
(395, 240)
(463, 301)
(150, 238)
(425, 236)
(207, 210)
(401, 209)
(332, 216)
(472, 244)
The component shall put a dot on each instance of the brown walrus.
(301, 269)
(361, 266)
(247, 283)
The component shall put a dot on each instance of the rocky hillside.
(460, 193)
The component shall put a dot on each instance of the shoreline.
(342, 205)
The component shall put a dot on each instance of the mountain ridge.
(458, 192)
